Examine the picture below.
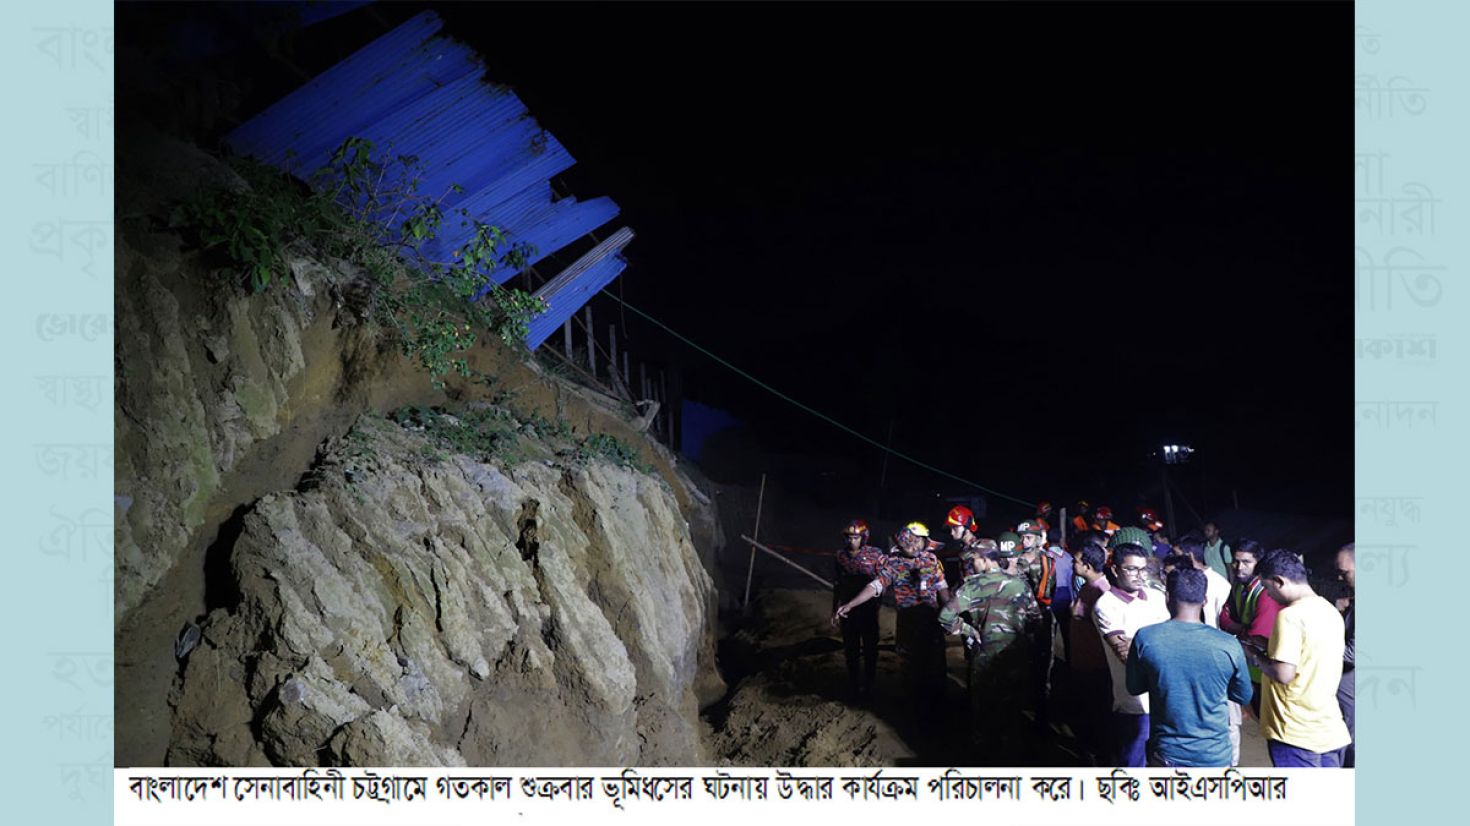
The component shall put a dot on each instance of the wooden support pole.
(566, 334)
(591, 343)
(750, 571)
(612, 349)
(668, 409)
(754, 544)
(676, 411)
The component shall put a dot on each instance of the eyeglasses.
(1129, 570)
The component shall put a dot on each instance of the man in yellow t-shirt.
(1300, 669)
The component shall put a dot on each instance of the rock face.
(196, 388)
(402, 609)
(370, 600)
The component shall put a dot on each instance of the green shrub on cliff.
(367, 210)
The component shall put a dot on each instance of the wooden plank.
(591, 342)
(612, 349)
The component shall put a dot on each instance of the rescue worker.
(1150, 522)
(1009, 545)
(969, 558)
(856, 565)
(962, 526)
(1082, 519)
(1043, 517)
(915, 576)
(1102, 520)
(970, 568)
(1035, 564)
(1000, 609)
(1038, 569)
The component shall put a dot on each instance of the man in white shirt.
(1190, 553)
(1119, 613)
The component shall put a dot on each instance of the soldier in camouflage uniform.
(1038, 568)
(1001, 610)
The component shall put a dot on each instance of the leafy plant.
(611, 449)
(367, 209)
(484, 434)
(558, 428)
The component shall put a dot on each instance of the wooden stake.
(750, 571)
(591, 343)
(612, 349)
(754, 544)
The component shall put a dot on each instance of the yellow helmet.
(917, 529)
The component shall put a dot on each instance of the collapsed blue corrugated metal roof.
(414, 93)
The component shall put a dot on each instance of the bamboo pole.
(612, 349)
(754, 544)
(750, 571)
(591, 343)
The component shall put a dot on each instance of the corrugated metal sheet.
(598, 276)
(571, 288)
(415, 93)
(562, 280)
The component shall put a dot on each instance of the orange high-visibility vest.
(1044, 590)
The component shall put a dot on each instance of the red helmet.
(962, 516)
(1043, 508)
(856, 527)
(1103, 513)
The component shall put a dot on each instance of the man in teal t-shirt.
(1188, 670)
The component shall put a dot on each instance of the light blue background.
(1411, 654)
(58, 605)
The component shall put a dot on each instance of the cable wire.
(824, 417)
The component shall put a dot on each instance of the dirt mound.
(765, 725)
(790, 704)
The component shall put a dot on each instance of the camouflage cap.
(1131, 536)
(982, 547)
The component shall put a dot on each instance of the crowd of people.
(1149, 651)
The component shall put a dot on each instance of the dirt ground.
(788, 706)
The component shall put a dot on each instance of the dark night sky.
(1042, 239)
